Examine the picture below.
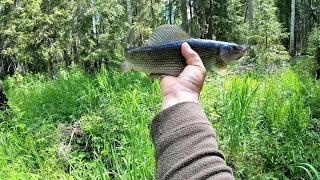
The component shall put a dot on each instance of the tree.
(184, 14)
(129, 12)
(42, 35)
(266, 35)
(249, 13)
(304, 25)
(293, 7)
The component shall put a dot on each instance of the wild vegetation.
(73, 116)
(79, 126)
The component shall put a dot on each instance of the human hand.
(187, 86)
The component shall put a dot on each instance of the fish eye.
(237, 47)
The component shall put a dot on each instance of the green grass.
(310, 170)
(267, 126)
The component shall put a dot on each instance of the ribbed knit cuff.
(170, 118)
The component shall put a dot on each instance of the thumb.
(192, 58)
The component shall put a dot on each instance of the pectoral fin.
(221, 69)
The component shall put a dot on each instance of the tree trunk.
(304, 25)
(154, 20)
(250, 14)
(209, 14)
(66, 58)
(293, 7)
(307, 16)
(195, 23)
(129, 12)
(93, 19)
(184, 15)
(170, 12)
(191, 16)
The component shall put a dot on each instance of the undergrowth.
(75, 126)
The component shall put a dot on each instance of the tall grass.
(266, 126)
(310, 170)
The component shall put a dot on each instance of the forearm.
(185, 144)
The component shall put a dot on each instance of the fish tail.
(125, 67)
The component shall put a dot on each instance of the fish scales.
(167, 58)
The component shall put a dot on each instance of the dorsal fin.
(131, 38)
(166, 33)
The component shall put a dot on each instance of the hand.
(187, 86)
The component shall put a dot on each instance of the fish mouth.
(243, 50)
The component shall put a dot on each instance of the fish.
(162, 56)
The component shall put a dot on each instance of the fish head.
(230, 52)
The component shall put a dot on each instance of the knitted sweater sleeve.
(185, 145)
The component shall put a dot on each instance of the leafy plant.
(313, 47)
(312, 173)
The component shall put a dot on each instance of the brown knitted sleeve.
(185, 145)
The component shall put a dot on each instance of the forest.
(71, 114)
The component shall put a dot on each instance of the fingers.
(192, 58)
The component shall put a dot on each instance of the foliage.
(107, 146)
(266, 35)
(70, 125)
(306, 167)
(32, 36)
(265, 126)
(40, 35)
(207, 19)
(305, 66)
(306, 17)
(43, 35)
(313, 47)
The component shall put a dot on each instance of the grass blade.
(313, 169)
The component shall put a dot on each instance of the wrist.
(178, 97)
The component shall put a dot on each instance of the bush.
(313, 47)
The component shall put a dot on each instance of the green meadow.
(78, 126)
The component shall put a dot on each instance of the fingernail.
(187, 46)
